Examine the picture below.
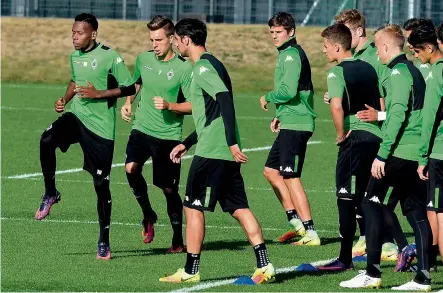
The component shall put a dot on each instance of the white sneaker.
(413, 286)
(362, 280)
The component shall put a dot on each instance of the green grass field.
(58, 254)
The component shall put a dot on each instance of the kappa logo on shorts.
(197, 203)
(288, 169)
(430, 205)
(374, 199)
(186, 198)
(342, 190)
(99, 172)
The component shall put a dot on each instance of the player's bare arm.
(90, 92)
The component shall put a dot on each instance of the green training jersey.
(368, 53)
(404, 104)
(105, 69)
(432, 129)
(293, 91)
(424, 68)
(170, 80)
(209, 79)
(355, 83)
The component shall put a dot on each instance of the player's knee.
(169, 191)
(270, 174)
(101, 185)
(131, 168)
(46, 139)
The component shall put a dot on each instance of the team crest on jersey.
(170, 74)
(94, 64)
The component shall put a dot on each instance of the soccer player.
(352, 84)
(293, 97)
(214, 174)
(364, 49)
(394, 171)
(409, 26)
(99, 76)
(423, 39)
(165, 78)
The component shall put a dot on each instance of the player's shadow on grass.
(282, 277)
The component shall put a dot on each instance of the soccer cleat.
(359, 248)
(148, 230)
(335, 266)
(389, 252)
(362, 280)
(405, 258)
(296, 229)
(103, 251)
(310, 239)
(263, 275)
(178, 249)
(45, 206)
(413, 286)
(181, 277)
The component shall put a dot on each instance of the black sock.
(423, 238)
(374, 236)
(192, 265)
(104, 205)
(433, 256)
(423, 277)
(261, 254)
(175, 213)
(140, 190)
(48, 163)
(360, 219)
(393, 228)
(347, 227)
(309, 225)
(292, 214)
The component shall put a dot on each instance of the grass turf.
(59, 254)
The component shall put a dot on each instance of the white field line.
(207, 285)
(75, 170)
(68, 221)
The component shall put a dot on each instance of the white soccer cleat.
(362, 280)
(413, 286)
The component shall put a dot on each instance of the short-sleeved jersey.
(355, 83)
(293, 91)
(432, 129)
(210, 78)
(424, 68)
(105, 69)
(368, 53)
(170, 80)
(404, 110)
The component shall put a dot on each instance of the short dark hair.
(194, 29)
(283, 19)
(161, 22)
(422, 35)
(413, 23)
(340, 34)
(89, 18)
(440, 32)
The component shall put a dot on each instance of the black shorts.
(355, 157)
(435, 186)
(288, 152)
(141, 147)
(400, 181)
(212, 180)
(97, 151)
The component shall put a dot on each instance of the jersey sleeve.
(400, 86)
(186, 80)
(120, 71)
(336, 83)
(208, 79)
(72, 68)
(287, 87)
(137, 76)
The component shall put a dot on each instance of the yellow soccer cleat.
(389, 252)
(296, 229)
(359, 248)
(310, 239)
(264, 275)
(181, 277)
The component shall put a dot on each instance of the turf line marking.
(207, 285)
(75, 170)
(67, 221)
